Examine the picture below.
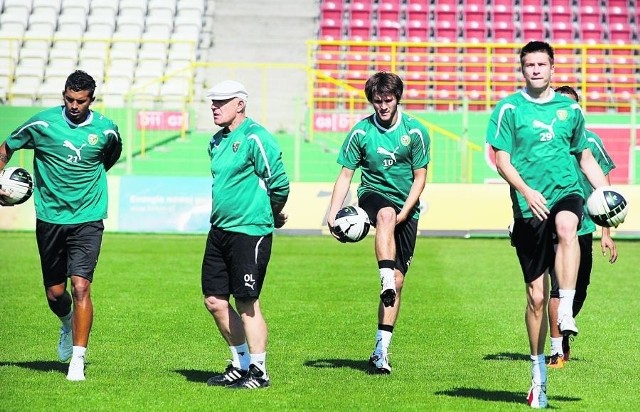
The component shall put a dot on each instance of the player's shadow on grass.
(196, 375)
(507, 356)
(497, 396)
(360, 365)
(41, 366)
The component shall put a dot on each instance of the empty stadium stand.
(125, 44)
(591, 28)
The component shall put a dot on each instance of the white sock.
(556, 346)
(79, 351)
(565, 308)
(538, 370)
(260, 360)
(383, 340)
(66, 321)
(240, 356)
(387, 278)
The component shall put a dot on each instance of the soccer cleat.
(76, 369)
(556, 361)
(254, 379)
(537, 397)
(230, 376)
(65, 345)
(568, 326)
(380, 361)
(565, 347)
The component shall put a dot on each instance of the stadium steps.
(261, 32)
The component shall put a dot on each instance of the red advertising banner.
(334, 122)
(160, 120)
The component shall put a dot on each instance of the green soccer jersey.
(248, 174)
(387, 157)
(542, 136)
(70, 163)
(606, 164)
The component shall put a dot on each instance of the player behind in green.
(392, 151)
(560, 344)
(73, 148)
(249, 191)
(536, 133)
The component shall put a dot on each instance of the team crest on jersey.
(405, 140)
(92, 139)
(235, 146)
(562, 114)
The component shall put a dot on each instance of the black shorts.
(404, 235)
(584, 271)
(67, 250)
(235, 264)
(534, 238)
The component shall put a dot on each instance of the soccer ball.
(18, 183)
(351, 224)
(607, 207)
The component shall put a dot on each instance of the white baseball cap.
(228, 89)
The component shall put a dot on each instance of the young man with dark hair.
(392, 150)
(74, 148)
(536, 133)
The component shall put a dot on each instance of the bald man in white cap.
(249, 190)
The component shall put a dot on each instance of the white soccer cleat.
(537, 397)
(568, 326)
(65, 345)
(76, 369)
(380, 361)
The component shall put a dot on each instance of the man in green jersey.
(536, 133)
(559, 343)
(74, 148)
(392, 151)
(249, 191)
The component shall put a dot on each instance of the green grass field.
(460, 343)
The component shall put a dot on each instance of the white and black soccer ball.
(18, 183)
(607, 207)
(351, 224)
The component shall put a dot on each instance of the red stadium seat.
(332, 9)
(597, 100)
(446, 10)
(475, 31)
(418, 10)
(389, 10)
(620, 33)
(504, 32)
(388, 30)
(360, 29)
(618, 15)
(590, 14)
(446, 31)
(329, 61)
(561, 14)
(417, 30)
(357, 61)
(533, 30)
(532, 12)
(591, 33)
(361, 10)
(623, 92)
(475, 12)
(562, 33)
(330, 29)
(502, 13)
